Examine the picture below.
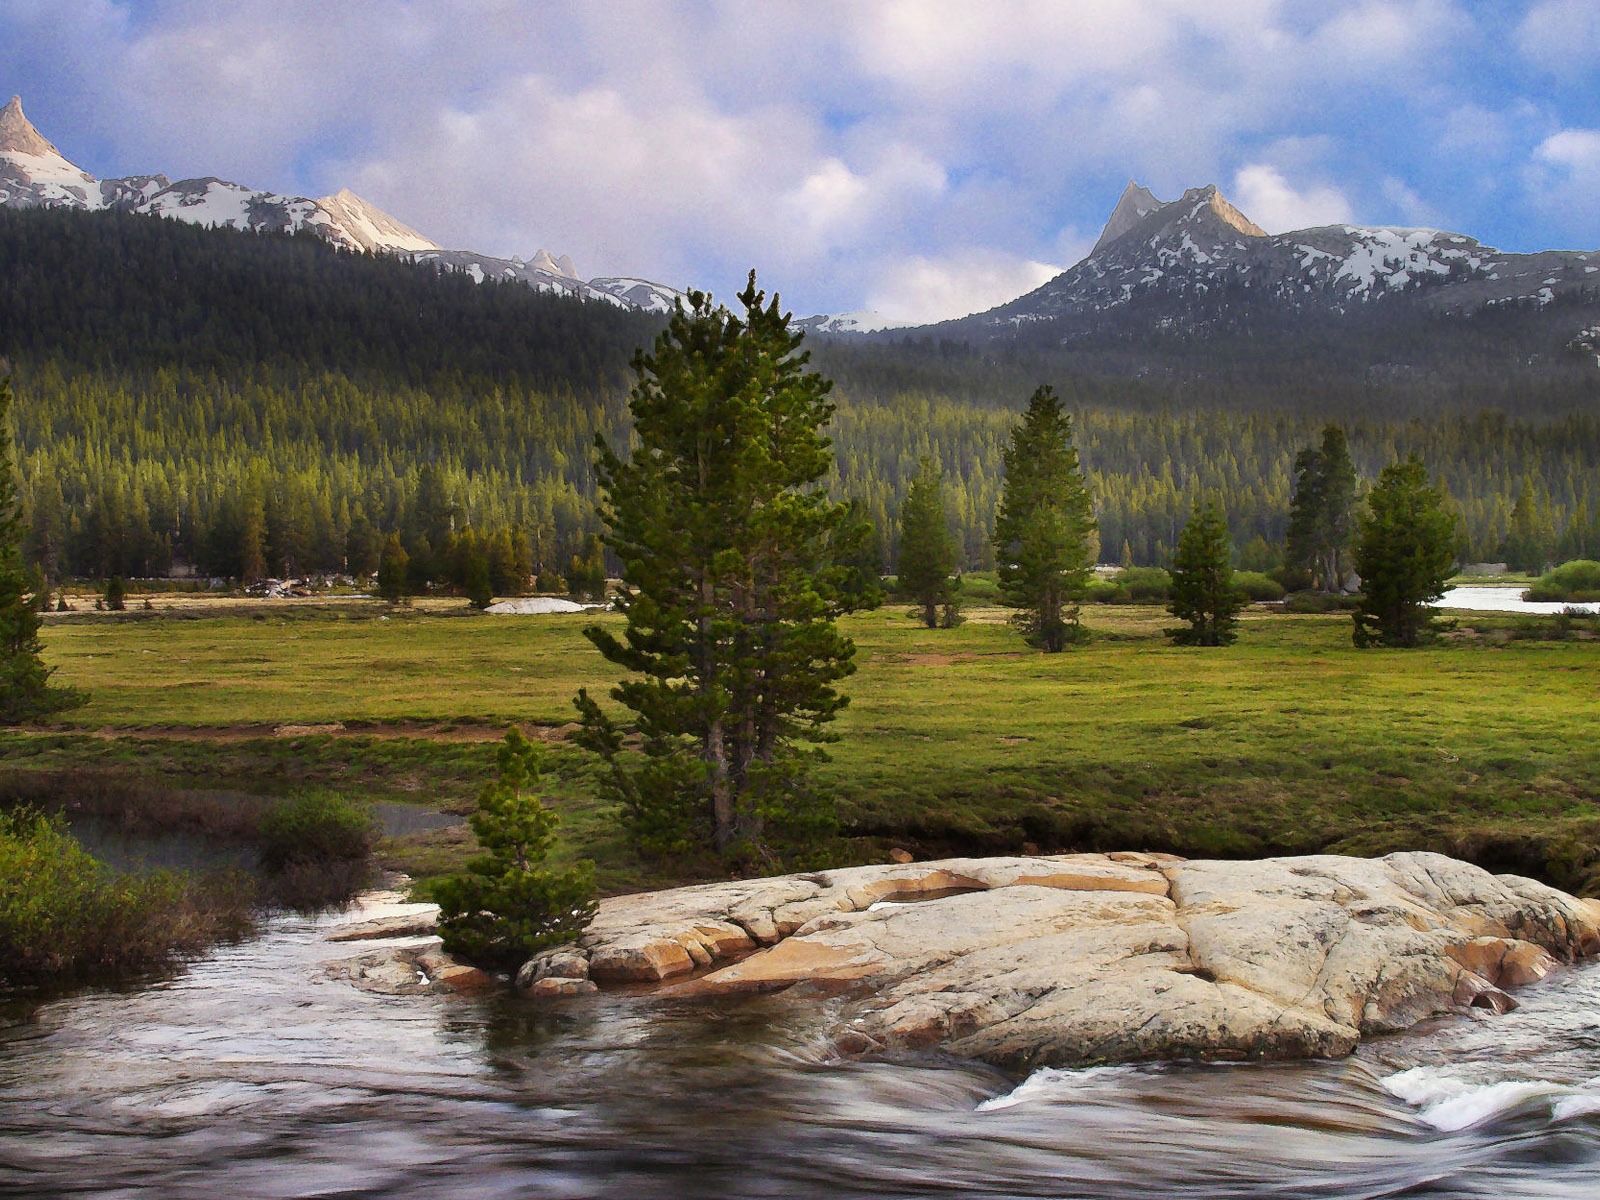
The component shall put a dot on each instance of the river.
(252, 1074)
(1501, 598)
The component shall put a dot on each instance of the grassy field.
(955, 741)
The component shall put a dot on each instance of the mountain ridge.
(34, 173)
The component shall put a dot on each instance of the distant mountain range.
(1171, 283)
(33, 173)
(1182, 289)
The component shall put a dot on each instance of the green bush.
(1131, 585)
(66, 918)
(1321, 602)
(1145, 585)
(1576, 582)
(1258, 586)
(981, 587)
(509, 905)
(314, 829)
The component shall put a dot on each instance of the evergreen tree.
(393, 570)
(116, 598)
(480, 594)
(728, 587)
(509, 905)
(927, 552)
(1530, 540)
(1044, 533)
(586, 575)
(25, 691)
(1323, 512)
(1202, 590)
(1404, 553)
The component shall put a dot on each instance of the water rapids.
(253, 1075)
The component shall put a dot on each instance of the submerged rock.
(1084, 958)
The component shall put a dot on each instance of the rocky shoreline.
(1066, 959)
(1091, 958)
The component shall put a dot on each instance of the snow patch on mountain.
(33, 173)
(371, 227)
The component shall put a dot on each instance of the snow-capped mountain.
(1189, 262)
(33, 173)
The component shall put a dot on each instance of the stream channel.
(253, 1073)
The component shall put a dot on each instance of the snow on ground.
(538, 606)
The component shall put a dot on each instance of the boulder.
(1087, 958)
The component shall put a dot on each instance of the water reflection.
(255, 1075)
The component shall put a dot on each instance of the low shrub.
(316, 828)
(1131, 585)
(67, 918)
(980, 587)
(1257, 586)
(1321, 602)
(1575, 582)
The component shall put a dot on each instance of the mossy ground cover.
(956, 740)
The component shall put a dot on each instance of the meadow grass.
(957, 740)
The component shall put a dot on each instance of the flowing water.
(252, 1074)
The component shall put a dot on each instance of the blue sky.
(925, 159)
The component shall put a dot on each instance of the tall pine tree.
(1405, 551)
(1044, 532)
(729, 587)
(25, 691)
(1203, 592)
(1322, 514)
(927, 552)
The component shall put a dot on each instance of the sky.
(920, 158)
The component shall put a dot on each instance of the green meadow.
(956, 741)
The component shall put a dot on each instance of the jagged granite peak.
(370, 226)
(545, 261)
(1135, 204)
(17, 134)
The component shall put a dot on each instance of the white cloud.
(918, 290)
(1563, 180)
(826, 142)
(1561, 36)
(1267, 198)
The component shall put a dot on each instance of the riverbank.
(956, 741)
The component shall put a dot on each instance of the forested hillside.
(256, 405)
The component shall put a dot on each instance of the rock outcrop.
(1085, 958)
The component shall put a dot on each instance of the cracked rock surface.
(1086, 958)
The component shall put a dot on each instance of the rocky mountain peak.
(563, 266)
(1219, 208)
(18, 136)
(1135, 204)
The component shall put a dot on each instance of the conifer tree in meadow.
(1203, 591)
(1044, 535)
(25, 690)
(927, 552)
(1405, 550)
(731, 583)
(1322, 515)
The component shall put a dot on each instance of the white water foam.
(1451, 1103)
(1055, 1083)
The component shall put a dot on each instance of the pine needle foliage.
(509, 905)
(25, 691)
(731, 582)
(1203, 591)
(927, 561)
(1405, 551)
(1044, 536)
(1322, 515)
